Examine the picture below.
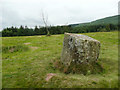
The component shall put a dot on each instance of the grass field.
(27, 60)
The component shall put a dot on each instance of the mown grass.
(29, 66)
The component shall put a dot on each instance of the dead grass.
(27, 43)
(49, 76)
(39, 36)
(34, 48)
(12, 50)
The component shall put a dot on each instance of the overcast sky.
(59, 12)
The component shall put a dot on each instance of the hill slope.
(107, 20)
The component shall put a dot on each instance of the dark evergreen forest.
(25, 31)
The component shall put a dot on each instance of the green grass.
(30, 66)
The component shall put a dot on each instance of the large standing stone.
(79, 49)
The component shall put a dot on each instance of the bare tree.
(45, 21)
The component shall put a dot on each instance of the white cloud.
(28, 12)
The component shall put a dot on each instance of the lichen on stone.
(80, 49)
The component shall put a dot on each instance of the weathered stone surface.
(79, 49)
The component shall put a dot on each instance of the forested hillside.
(102, 25)
(103, 21)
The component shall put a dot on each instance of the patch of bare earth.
(56, 35)
(39, 36)
(49, 76)
(34, 48)
(28, 36)
(12, 50)
(27, 43)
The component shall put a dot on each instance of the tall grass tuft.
(86, 69)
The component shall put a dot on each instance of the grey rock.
(79, 49)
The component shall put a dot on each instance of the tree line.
(25, 31)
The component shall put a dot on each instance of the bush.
(103, 30)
